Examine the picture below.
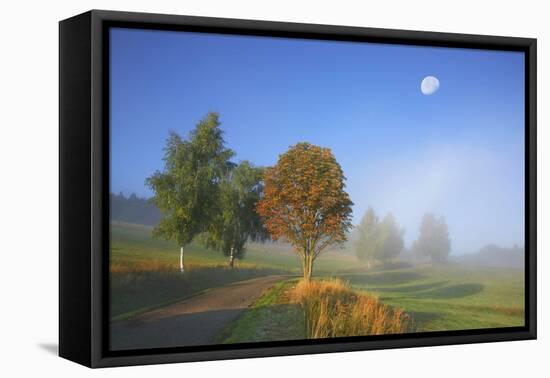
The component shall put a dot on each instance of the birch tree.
(236, 221)
(186, 190)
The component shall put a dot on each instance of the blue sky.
(458, 152)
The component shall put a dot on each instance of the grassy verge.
(272, 317)
(294, 310)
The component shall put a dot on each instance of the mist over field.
(467, 183)
(456, 151)
(268, 189)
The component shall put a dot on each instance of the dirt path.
(194, 321)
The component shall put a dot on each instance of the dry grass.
(139, 266)
(514, 311)
(333, 309)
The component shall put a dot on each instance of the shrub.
(333, 309)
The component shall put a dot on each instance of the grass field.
(144, 274)
(145, 271)
(450, 297)
(133, 249)
(436, 299)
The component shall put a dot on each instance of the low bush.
(333, 309)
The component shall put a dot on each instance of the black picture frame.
(84, 187)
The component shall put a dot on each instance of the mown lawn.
(449, 297)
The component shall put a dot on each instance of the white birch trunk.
(181, 260)
(232, 258)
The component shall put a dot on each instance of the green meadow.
(449, 297)
(133, 248)
(144, 275)
(442, 298)
(145, 271)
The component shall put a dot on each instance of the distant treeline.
(134, 209)
(379, 241)
(495, 256)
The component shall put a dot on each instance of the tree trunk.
(182, 266)
(310, 268)
(307, 267)
(232, 257)
(304, 267)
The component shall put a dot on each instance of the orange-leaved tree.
(305, 202)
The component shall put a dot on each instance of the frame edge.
(74, 192)
(98, 17)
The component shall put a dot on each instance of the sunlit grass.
(134, 249)
(449, 297)
(333, 309)
(145, 273)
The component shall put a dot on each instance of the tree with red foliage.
(305, 202)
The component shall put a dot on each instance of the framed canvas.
(235, 188)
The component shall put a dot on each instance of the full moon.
(429, 85)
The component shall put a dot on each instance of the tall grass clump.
(333, 309)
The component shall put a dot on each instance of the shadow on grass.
(378, 268)
(409, 288)
(385, 278)
(452, 291)
(420, 318)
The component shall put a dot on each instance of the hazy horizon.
(458, 152)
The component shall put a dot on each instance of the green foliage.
(378, 241)
(236, 221)
(367, 242)
(187, 188)
(391, 238)
(434, 240)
